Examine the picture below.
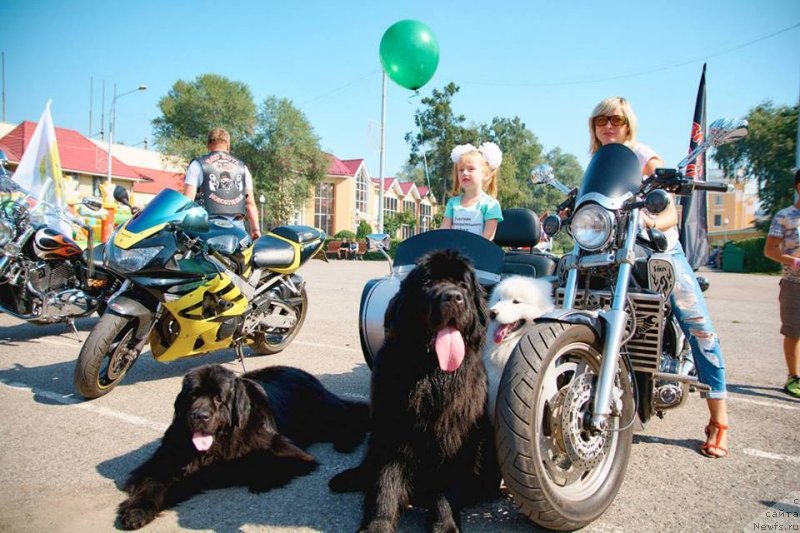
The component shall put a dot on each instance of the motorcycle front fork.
(614, 320)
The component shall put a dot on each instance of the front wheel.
(106, 356)
(271, 340)
(562, 476)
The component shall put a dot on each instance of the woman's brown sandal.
(706, 448)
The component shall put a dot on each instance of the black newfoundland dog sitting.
(431, 441)
(240, 430)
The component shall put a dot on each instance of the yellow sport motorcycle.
(193, 286)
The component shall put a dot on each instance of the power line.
(634, 74)
(339, 89)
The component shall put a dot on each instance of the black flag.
(694, 222)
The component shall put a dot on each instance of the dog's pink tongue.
(449, 347)
(202, 442)
(501, 332)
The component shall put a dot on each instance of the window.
(717, 199)
(425, 218)
(409, 207)
(361, 192)
(717, 220)
(96, 181)
(323, 207)
(390, 205)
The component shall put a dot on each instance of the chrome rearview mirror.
(721, 131)
(543, 174)
(378, 241)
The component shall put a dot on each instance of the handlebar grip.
(712, 186)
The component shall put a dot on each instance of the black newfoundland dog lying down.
(240, 430)
(431, 441)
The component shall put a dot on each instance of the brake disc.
(584, 449)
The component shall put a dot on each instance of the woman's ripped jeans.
(690, 309)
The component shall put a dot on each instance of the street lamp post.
(108, 200)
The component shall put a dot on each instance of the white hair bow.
(489, 150)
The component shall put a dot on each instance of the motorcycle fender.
(644, 382)
(125, 305)
(575, 316)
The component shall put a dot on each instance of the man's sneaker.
(792, 386)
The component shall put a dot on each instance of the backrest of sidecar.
(520, 228)
(486, 257)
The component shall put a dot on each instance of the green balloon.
(409, 53)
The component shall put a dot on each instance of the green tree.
(395, 221)
(284, 157)
(364, 229)
(569, 172)
(439, 130)
(766, 155)
(521, 152)
(192, 108)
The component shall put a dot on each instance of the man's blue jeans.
(690, 309)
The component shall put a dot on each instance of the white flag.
(39, 170)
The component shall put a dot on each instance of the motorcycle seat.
(520, 228)
(272, 252)
(299, 234)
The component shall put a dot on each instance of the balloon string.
(422, 145)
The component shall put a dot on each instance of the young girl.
(473, 206)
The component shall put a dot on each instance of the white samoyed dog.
(513, 306)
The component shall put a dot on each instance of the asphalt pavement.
(64, 459)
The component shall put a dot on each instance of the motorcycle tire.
(270, 343)
(99, 368)
(561, 476)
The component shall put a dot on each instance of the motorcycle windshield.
(167, 206)
(613, 175)
(41, 201)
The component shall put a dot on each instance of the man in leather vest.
(222, 184)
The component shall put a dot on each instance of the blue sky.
(547, 62)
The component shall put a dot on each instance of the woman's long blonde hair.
(604, 108)
(490, 187)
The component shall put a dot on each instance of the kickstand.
(239, 349)
(71, 324)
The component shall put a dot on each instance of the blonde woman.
(613, 121)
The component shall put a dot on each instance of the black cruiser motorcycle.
(574, 385)
(45, 277)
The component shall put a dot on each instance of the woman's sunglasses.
(616, 120)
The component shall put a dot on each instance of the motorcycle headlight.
(130, 260)
(6, 232)
(593, 227)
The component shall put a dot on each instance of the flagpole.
(383, 155)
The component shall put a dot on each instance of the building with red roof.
(345, 197)
(83, 163)
(348, 195)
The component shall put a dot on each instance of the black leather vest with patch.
(223, 189)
